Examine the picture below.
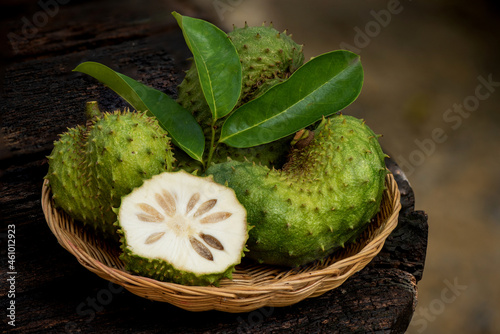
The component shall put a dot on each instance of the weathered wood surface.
(53, 293)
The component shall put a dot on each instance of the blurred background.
(432, 88)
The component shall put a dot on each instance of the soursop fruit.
(267, 57)
(91, 168)
(323, 197)
(182, 228)
(68, 184)
(273, 154)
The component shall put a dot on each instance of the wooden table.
(41, 97)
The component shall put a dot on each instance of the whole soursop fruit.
(324, 196)
(123, 149)
(67, 183)
(91, 168)
(182, 228)
(267, 57)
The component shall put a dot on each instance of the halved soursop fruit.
(182, 228)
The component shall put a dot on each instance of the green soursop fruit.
(267, 57)
(182, 228)
(91, 168)
(68, 185)
(324, 196)
(123, 149)
(272, 155)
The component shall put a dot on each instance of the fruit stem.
(92, 110)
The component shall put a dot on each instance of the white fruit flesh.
(193, 223)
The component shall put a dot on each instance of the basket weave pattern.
(253, 286)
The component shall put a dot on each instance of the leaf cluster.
(321, 87)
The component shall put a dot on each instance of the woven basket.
(253, 286)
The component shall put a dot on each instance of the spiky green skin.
(267, 58)
(90, 169)
(271, 154)
(68, 188)
(123, 149)
(323, 197)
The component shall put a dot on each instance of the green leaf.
(181, 126)
(321, 87)
(217, 62)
